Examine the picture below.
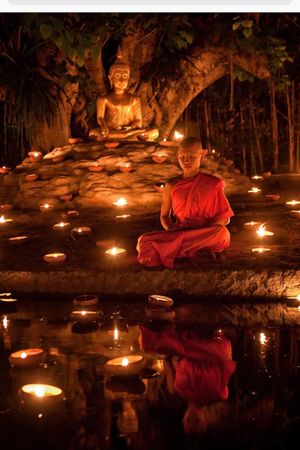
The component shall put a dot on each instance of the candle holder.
(31, 177)
(54, 258)
(81, 231)
(46, 207)
(125, 366)
(160, 300)
(166, 143)
(18, 239)
(4, 170)
(83, 315)
(86, 300)
(115, 251)
(96, 167)
(112, 144)
(61, 226)
(72, 213)
(35, 156)
(27, 358)
(124, 166)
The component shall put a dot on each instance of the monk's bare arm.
(165, 209)
(101, 107)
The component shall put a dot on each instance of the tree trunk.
(274, 124)
(290, 99)
(255, 132)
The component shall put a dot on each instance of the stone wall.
(68, 178)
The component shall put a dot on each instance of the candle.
(292, 203)
(5, 220)
(27, 357)
(261, 231)
(294, 301)
(6, 207)
(263, 338)
(295, 213)
(257, 177)
(18, 239)
(164, 314)
(159, 157)
(35, 156)
(61, 225)
(81, 231)
(5, 322)
(86, 300)
(254, 190)
(31, 177)
(85, 315)
(261, 250)
(123, 217)
(166, 143)
(120, 202)
(54, 257)
(251, 224)
(45, 207)
(73, 213)
(125, 365)
(272, 197)
(41, 391)
(160, 300)
(112, 144)
(178, 136)
(115, 251)
(4, 170)
(96, 167)
(6, 297)
(124, 166)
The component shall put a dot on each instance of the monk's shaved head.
(190, 142)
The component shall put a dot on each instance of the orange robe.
(195, 202)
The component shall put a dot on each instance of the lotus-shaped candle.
(4, 170)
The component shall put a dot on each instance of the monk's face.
(120, 78)
(190, 158)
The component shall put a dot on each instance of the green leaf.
(58, 41)
(247, 23)
(46, 31)
(80, 62)
(236, 25)
(247, 32)
(69, 36)
(95, 52)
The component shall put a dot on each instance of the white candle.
(160, 300)
(82, 231)
(125, 365)
(27, 357)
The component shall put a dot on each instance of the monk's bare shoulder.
(212, 180)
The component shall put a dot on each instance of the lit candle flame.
(261, 231)
(23, 355)
(262, 338)
(124, 362)
(178, 136)
(293, 202)
(257, 177)
(261, 250)
(251, 224)
(116, 334)
(40, 391)
(164, 139)
(121, 202)
(213, 150)
(254, 190)
(5, 322)
(83, 313)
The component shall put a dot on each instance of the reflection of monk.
(202, 371)
(119, 113)
(200, 207)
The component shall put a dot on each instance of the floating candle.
(260, 250)
(166, 143)
(35, 156)
(159, 157)
(120, 202)
(54, 257)
(254, 190)
(178, 136)
(4, 170)
(292, 203)
(86, 300)
(251, 224)
(6, 207)
(27, 357)
(96, 167)
(5, 220)
(81, 231)
(41, 391)
(31, 177)
(295, 213)
(124, 166)
(261, 231)
(125, 366)
(45, 207)
(112, 144)
(73, 213)
(115, 251)
(123, 217)
(257, 177)
(272, 197)
(18, 239)
(160, 300)
(85, 315)
(61, 225)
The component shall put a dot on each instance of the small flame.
(257, 177)
(121, 202)
(124, 362)
(83, 313)
(254, 190)
(262, 338)
(5, 322)
(40, 391)
(178, 136)
(23, 355)
(114, 250)
(293, 202)
(116, 333)
(261, 231)
(2, 219)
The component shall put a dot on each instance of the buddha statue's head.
(119, 73)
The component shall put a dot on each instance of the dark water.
(178, 401)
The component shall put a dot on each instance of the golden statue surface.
(119, 114)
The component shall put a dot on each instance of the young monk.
(201, 210)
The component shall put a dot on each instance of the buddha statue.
(119, 114)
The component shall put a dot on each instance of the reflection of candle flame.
(254, 190)
(124, 362)
(262, 338)
(116, 333)
(5, 322)
(293, 202)
(251, 224)
(261, 250)
(83, 313)
(261, 231)
(121, 202)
